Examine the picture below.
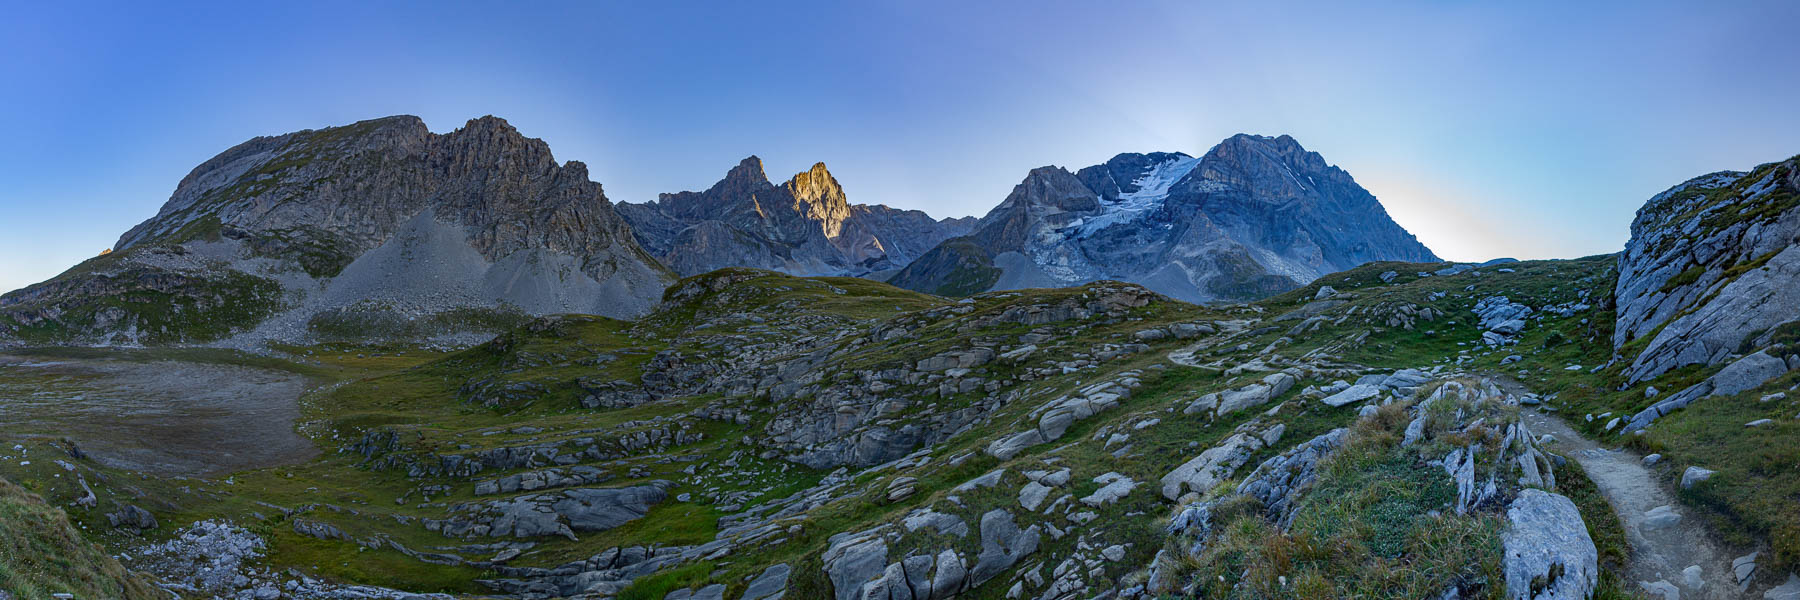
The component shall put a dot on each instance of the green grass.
(1379, 523)
(655, 587)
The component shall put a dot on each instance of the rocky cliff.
(1709, 271)
(356, 229)
(805, 226)
(1253, 217)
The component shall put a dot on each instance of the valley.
(217, 411)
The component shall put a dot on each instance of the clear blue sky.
(1487, 128)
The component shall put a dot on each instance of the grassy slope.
(42, 554)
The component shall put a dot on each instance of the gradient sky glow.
(1520, 129)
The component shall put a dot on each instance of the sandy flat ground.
(163, 417)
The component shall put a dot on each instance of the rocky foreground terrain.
(1620, 426)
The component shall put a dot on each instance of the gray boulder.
(132, 516)
(1694, 475)
(853, 560)
(1548, 554)
(1002, 545)
(770, 585)
(1352, 394)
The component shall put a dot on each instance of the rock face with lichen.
(1254, 217)
(805, 226)
(376, 223)
(1708, 272)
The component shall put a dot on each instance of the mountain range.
(1254, 217)
(1611, 426)
(382, 229)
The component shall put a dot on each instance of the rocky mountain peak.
(818, 196)
(1053, 187)
(747, 174)
(1276, 166)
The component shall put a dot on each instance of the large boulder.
(1549, 555)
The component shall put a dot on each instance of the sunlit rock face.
(806, 226)
(1254, 217)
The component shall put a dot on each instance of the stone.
(950, 575)
(317, 529)
(1693, 476)
(132, 517)
(1661, 517)
(1744, 567)
(1115, 487)
(989, 479)
(1691, 578)
(852, 560)
(1113, 553)
(1773, 397)
(1032, 495)
(1747, 373)
(1651, 460)
(943, 523)
(1002, 545)
(1150, 335)
(1352, 394)
(1545, 533)
(1660, 590)
(1789, 590)
(1414, 431)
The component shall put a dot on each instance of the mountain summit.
(1253, 217)
(378, 224)
(805, 226)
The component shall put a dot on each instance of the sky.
(1488, 129)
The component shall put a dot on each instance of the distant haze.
(1532, 130)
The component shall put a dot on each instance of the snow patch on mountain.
(1152, 188)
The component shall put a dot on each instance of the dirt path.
(1660, 551)
(163, 417)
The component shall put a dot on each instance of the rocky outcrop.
(556, 513)
(1254, 217)
(381, 221)
(1710, 269)
(1200, 474)
(805, 226)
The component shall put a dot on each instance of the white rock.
(1695, 475)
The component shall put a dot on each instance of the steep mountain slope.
(805, 226)
(356, 229)
(1254, 217)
